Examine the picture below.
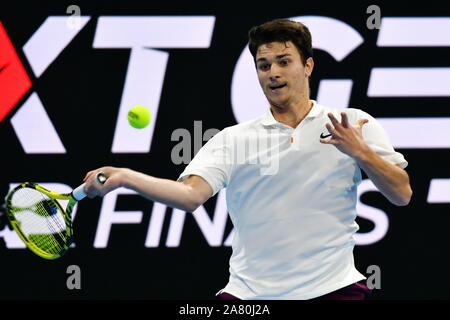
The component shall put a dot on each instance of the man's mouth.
(277, 87)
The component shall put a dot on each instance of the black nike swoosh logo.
(322, 136)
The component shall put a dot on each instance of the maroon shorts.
(355, 291)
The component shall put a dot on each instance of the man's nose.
(274, 74)
(274, 78)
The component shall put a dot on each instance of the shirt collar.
(269, 120)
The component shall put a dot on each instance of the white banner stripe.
(154, 32)
(439, 191)
(409, 82)
(414, 32)
(418, 133)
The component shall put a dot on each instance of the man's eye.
(264, 66)
(284, 62)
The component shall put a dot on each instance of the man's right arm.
(187, 195)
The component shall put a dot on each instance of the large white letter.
(108, 216)
(213, 230)
(377, 216)
(147, 67)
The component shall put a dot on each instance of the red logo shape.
(14, 81)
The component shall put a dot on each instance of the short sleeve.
(378, 140)
(211, 162)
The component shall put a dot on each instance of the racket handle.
(79, 194)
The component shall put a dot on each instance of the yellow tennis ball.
(139, 117)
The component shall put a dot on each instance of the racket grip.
(79, 194)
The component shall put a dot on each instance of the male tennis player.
(292, 197)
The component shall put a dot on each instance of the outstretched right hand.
(115, 179)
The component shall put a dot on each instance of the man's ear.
(309, 66)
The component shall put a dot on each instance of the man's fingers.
(332, 118)
(344, 117)
(328, 141)
(332, 130)
(361, 122)
(94, 187)
(91, 190)
(88, 175)
(337, 125)
(105, 170)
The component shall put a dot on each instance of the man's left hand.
(347, 138)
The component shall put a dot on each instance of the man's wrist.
(124, 178)
(363, 155)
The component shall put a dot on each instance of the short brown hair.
(281, 30)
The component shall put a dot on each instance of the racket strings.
(40, 219)
(56, 239)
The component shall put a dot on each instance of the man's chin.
(280, 104)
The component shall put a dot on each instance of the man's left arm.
(390, 179)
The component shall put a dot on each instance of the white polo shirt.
(292, 201)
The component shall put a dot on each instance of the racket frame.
(67, 215)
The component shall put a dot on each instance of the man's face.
(281, 73)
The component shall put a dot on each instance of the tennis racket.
(40, 220)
